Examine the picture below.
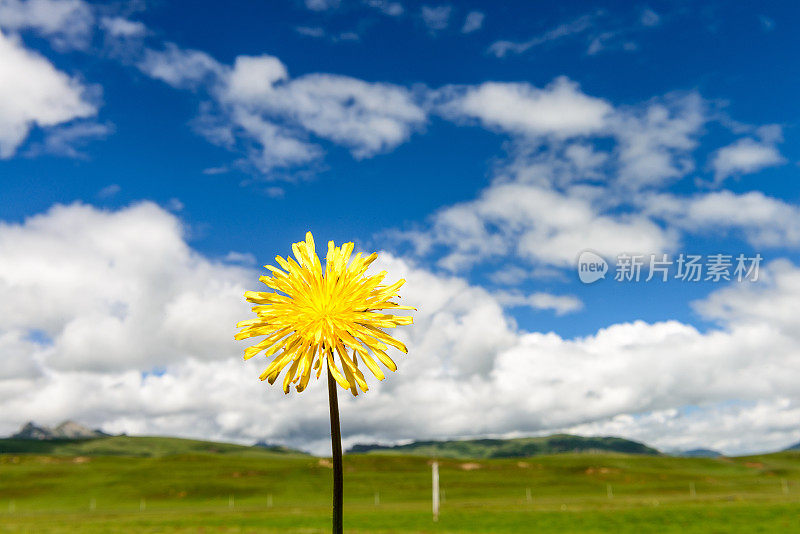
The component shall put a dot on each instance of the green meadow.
(165, 485)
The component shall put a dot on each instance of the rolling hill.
(140, 446)
(509, 448)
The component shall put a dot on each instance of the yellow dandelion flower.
(311, 315)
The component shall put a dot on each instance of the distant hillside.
(66, 430)
(142, 446)
(795, 447)
(510, 448)
(699, 453)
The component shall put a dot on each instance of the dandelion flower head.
(312, 316)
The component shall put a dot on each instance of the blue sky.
(482, 145)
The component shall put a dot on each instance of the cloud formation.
(745, 156)
(559, 109)
(278, 121)
(66, 23)
(137, 334)
(34, 93)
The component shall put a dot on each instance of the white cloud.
(271, 145)
(583, 174)
(34, 93)
(67, 23)
(560, 109)
(560, 304)
(178, 67)
(764, 221)
(124, 293)
(123, 28)
(278, 113)
(252, 78)
(655, 140)
(574, 27)
(366, 117)
(715, 426)
(537, 224)
(772, 301)
(473, 21)
(436, 17)
(597, 30)
(68, 140)
(128, 296)
(257, 108)
(745, 156)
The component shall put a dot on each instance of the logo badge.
(591, 267)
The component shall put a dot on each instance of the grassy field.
(247, 490)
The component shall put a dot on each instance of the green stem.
(336, 449)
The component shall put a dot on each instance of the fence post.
(435, 473)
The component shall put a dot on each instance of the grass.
(130, 446)
(245, 490)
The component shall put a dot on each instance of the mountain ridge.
(510, 448)
(65, 430)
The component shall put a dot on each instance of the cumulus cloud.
(560, 109)
(762, 220)
(582, 173)
(655, 140)
(558, 193)
(179, 67)
(252, 78)
(131, 330)
(744, 156)
(35, 93)
(536, 223)
(278, 121)
(366, 117)
(66, 23)
(652, 141)
(123, 294)
(716, 426)
(279, 114)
